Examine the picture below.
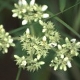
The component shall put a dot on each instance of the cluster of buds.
(5, 40)
(65, 54)
(29, 12)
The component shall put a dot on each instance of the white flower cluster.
(29, 12)
(65, 53)
(37, 47)
(5, 40)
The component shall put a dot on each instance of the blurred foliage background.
(66, 17)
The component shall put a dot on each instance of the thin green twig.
(16, 30)
(62, 22)
(18, 74)
(64, 10)
(66, 25)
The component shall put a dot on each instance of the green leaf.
(62, 4)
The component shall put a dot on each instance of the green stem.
(62, 22)
(18, 29)
(18, 74)
(65, 10)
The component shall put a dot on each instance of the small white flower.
(5, 39)
(16, 56)
(24, 63)
(78, 43)
(41, 22)
(61, 67)
(44, 30)
(38, 56)
(55, 67)
(10, 40)
(44, 38)
(23, 57)
(22, 2)
(6, 33)
(56, 58)
(1, 26)
(76, 53)
(35, 59)
(66, 58)
(45, 15)
(24, 22)
(5, 50)
(66, 39)
(41, 62)
(14, 15)
(59, 47)
(7, 45)
(73, 40)
(62, 56)
(24, 10)
(69, 64)
(65, 68)
(32, 2)
(27, 31)
(44, 7)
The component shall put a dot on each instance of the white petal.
(59, 47)
(24, 10)
(14, 15)
(69, 64)
(16, 56)
(55, 67)
(44, 38)
(45, 15)
(24, 63)
(38, 56)
(5, 50)
(78, 43)
(66, 58)
(73, 40)
(62, 56)
(32, 2)
(27, 31)
(22, 2)
(44, 7)
(44, 30)
(10, 40)
(65, 68)
(41, 22)
(24, 22)
(41, 62)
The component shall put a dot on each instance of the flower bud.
(44, 38)
(69, 64)
(45, 15)
(44, 7)
(32, 2)
(41, 62)
(73, 40)
(24, 22)
(14, 15)
(24, 63)
(27, 31)
(59, 47)
(55, 67)
(22, 2)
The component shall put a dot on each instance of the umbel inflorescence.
(5, 40)
(37, 47)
